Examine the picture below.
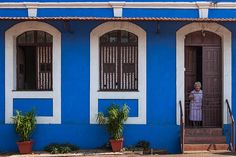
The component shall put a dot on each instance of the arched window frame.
(95, 94)
(114, 61)
(10, 72)
(43, 60)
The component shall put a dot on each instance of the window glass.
(21, 38)
(113, 37)
(29, 37)
(124, 37)
(48, 38)
(40, 36)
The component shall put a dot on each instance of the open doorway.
(203, 64)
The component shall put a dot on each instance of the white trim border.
(118, 6)
(95, 94)
(10, 72)
(176, 5)
(225, 35)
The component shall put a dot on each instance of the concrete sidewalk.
(91, 153)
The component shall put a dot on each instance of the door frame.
(225, 35)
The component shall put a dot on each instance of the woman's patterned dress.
(196, 106)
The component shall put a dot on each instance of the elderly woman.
(195, 96)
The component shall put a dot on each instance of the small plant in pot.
(24, 126)
(114, 123)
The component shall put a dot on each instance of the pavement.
(123, 154)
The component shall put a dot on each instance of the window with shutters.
(34, 61)
(119, 61)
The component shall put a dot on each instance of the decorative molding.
(225, 35)
(32, 12)
(32, 9)
(95, 94)
(223, 5)
(203, 13)
(203, 8)
(175, 5)
(117, 8)
(10, 72)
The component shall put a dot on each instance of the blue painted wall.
(42, 107)
(161, 129)
(132, 105)
(180, 13)
(102, 12)
(127, 12)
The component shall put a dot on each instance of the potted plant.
(24, 125)
(114, 123)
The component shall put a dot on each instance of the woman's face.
(197, 87)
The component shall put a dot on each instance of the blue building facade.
(66, 112)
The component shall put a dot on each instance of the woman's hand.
(191, 97)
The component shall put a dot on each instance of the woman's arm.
(191, 96)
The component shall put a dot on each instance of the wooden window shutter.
(119, 61)
(44, 67)
(108, 66)
(129, 67)
(20, 69)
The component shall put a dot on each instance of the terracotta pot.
(117, 145)
(25, 147)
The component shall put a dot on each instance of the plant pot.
(25, 147)
(117, 145)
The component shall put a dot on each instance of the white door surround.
(225, 35)
(10, 72)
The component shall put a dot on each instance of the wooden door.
(212, 86)
(190, 77)
(210, 74)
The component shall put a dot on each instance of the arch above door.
(225, 35)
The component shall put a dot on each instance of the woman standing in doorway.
(195, 96)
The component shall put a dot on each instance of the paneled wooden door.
(190, 77)
(212, 87)
(210, 74)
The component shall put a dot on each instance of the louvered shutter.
(44, 67)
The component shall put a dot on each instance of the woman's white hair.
(197, 84)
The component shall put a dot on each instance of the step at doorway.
(204, 139)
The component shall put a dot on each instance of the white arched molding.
(95, 94)
(225, 35)
(10, 72)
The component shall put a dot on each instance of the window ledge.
(32, 90)
(102, 91)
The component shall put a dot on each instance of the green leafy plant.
(24, 124)
(56, 148)
(115, 120)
